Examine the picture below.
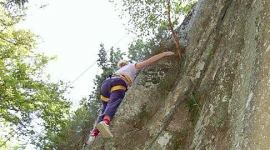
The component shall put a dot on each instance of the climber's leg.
(117, 94)
(105, 93)
(101, 114)
(116, 98)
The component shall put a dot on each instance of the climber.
(113, 91)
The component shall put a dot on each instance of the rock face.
(217, 97)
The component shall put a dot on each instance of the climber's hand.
(168, 53)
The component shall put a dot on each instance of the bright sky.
(72, 30)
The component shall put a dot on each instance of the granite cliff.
(216, 97)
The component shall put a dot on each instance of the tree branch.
(174, 35)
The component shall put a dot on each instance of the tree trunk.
(171, 28)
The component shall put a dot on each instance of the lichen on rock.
(224, 76)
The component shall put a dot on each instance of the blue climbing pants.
(112, 93)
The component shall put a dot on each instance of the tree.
(102, 58)
(28, 98)
(148, 17)
(139, 49)
(115, 57)
(13, 3)
(76, 129)
(107, 64)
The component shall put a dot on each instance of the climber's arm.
(152, 59)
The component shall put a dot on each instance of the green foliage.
(147, 17)
(18, 2)
(136, 50)
(194, 107)
(13, 3)
(76, 129)
(108, 65)
(26, 94)
(139, 49)
(115, 56)
(102, 58)
(15, 7)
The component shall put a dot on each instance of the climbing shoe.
(92, 136)
(94, 132)
(104, 130)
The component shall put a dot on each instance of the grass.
(194, 108)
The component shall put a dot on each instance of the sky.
(72, 31)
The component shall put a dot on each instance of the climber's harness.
(126, 78)
(114, 88)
